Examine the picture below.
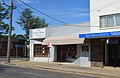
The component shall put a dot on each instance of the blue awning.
(101, 34)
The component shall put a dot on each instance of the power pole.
(10, 32)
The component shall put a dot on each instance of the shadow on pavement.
(3, 68)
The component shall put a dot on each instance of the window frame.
(38, 50)
(106, 20)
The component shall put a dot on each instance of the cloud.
(52, 10)
(73, 12)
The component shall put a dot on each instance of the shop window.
(117, 18)
(66, 52)
(85, 48)
(40, 50)
(103, 21)
(110, 20)
(71, 51)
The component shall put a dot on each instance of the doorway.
(66, 51)
(114, 55)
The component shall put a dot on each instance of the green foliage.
(4, 15)
(28, 21)
(18, 36)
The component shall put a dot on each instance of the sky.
(68, 11)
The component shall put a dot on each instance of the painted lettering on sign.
(39, 33)
(102, 34)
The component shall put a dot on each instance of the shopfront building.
(65, 45)
(105, 48)
(104, 33)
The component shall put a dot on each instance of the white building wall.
(83, 58)
(31, 52)
(102, 7)
(53, 53)
(74, 29)
(40, 59)
(37, 59)
(57, 31)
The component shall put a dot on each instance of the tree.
(4, 15)
(28, 21)
(18, 36)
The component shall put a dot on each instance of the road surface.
(19, 72)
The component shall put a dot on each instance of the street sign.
(19, 45)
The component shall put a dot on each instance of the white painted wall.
(56, 32)
(53, 54)
(32, 42)
(83, 58)
(31, 50)
(102, 7)
(65, 30)
(39, 59)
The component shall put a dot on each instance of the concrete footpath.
(105, 72)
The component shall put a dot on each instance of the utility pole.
(10, 32)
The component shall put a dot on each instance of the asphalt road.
(19, 72)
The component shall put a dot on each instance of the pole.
(16, 51)
(10, 31)
(48, 53)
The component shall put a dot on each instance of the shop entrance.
(66, 51)
(114, 55)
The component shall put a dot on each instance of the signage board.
(38, 33)
(19, 45)
(102, 34)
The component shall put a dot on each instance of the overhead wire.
(64, 24)
(16, 5)
(82, 12)
(42, 12)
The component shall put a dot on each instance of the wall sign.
(20, 45)
(102, 34)
(39, 33)
(85, 48)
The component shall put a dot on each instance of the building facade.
(17, 47)
(104, 32)
(64, 44)
(97, 45)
